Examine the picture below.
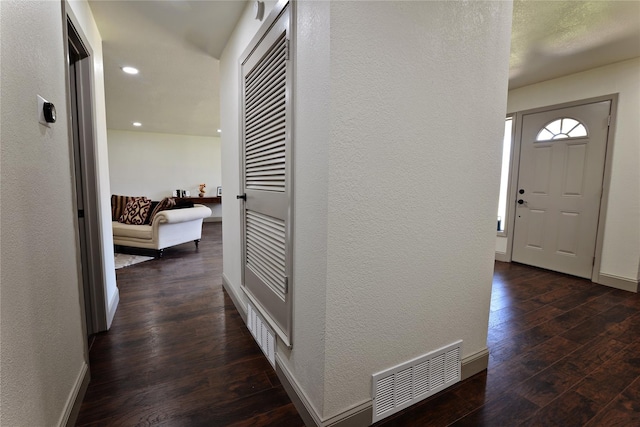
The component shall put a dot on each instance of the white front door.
(562, 155)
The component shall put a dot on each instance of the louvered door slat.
(265, 141)
(272, 58)
(265, 108)
(277, 150)
(267, 254)
(267, 120)
(266, 60)
(266, 244)
(268, 108)
(275, 91)
(266, 83)
(274, 129)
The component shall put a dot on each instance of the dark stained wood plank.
(548, 332)
(568, 410)
(623, 411)
(178, 352)
(563, 351)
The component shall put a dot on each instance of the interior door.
(266, 177)
(559, 187)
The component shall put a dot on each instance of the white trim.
(241, 308)
(502, 257)
(475, 363)
(112, 307)
(75, 397)
(618, 282)
(308, 412)
(471, 365)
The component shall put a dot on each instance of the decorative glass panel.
(561, 129)
(504, 176)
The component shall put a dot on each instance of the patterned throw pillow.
(147, 221)
(136, 211)
(118, 203)
(166, 203)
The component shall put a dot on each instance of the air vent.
(412, 381)
(262, 333)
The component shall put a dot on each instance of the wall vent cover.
(403, 385)
(262, 333)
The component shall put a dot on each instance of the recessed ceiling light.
(130, 70)
(219, 130)
(137, 124)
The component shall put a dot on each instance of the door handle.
(522, 202)
(242, 196)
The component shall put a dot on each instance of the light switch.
(41, 111)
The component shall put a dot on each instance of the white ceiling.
(176, 45)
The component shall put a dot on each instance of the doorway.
(560, 186)
(79, 68)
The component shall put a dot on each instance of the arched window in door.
(561, 129)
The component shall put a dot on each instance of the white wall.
(417, 109)
(387, 265)
(621, 251)
(83, 17)
(42, 351)
(155, 164)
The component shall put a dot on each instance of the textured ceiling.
(176, 43)
(550, 39)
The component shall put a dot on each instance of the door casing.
(604, 200)
(92, 294)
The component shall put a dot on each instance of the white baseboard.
(242, 308)
(74, 401)
(361, 414)
(618, 282)
(475, 363)
(502, 257)
(113, 306)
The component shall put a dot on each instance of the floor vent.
(410, 382)
(262, 333)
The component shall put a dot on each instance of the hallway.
(564, 352)
(178, 352)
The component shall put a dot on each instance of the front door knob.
(521, 202)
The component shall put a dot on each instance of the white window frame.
(506, 218)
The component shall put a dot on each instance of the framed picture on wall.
(219, 192)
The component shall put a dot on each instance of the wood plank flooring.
(564, 352)
(178, 352)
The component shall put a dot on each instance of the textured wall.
(620, 251)
(417, 107)
(42, 343)
(168, 162)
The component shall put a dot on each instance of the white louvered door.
(266, 166)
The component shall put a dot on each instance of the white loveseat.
(169, 228)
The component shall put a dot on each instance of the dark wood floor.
(564, 352)
(178, 353)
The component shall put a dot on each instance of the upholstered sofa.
(167, 228)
